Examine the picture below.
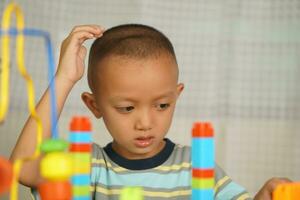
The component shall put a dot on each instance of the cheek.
(115, 123)
(165, 119)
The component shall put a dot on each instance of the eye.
(126, 109)
(163, 106)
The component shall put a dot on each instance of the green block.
(203, 183)
(54, 145)
(132, 193)
(81, 190)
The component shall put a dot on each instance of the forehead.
(154, 74)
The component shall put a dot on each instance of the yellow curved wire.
(4, 98)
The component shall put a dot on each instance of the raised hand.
(72, 55)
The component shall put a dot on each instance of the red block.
(80, 147)
(203, 173)
(80, 124)
(202, 129)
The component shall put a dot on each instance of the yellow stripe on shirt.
(243, 197)
(115, 169)
(221, 182)
(145, 192)
(174, 167)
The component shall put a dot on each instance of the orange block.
(6, 175)
(58, 190)
(287, 191)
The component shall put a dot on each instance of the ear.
(179, 89)
(90, 102)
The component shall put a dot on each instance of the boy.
(133, 77)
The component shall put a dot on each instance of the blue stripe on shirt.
(171, 180)
(229, 191)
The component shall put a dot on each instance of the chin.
(142, 153)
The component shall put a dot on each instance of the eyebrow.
(166, 95)
(161, 96)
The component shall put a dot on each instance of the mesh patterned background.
(239, 61)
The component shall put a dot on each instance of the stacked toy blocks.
(203, 162)
(80, 148)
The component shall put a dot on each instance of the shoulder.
(98, 152)
(183, 151)
(180, 154)
(99, 158)
(226, 188)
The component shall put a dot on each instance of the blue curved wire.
(51, 70)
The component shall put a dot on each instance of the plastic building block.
(287, 191)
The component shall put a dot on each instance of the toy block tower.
(203, 162)
(80, 148)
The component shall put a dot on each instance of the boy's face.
(136, 98)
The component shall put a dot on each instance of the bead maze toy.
(19, 32)
(57, 166)
(56, 169)
(6, 174)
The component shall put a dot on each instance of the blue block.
(82, 198)
(203, 153)
(83, 179)
(80, 137)
(203, 194)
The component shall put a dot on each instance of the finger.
(95, 29)
(80, 36)
(85, 27)
(82, 39)
(274, 182)
(82, 52)
(263, 196)
(285, 180)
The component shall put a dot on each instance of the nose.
(144, 120)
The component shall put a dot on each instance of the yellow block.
(81, 157)
(81, 168)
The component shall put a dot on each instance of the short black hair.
(129, 40)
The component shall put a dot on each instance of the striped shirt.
(167, 175)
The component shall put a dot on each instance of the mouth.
(143, 142)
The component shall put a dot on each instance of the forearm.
(70, 70)
(26, 142)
